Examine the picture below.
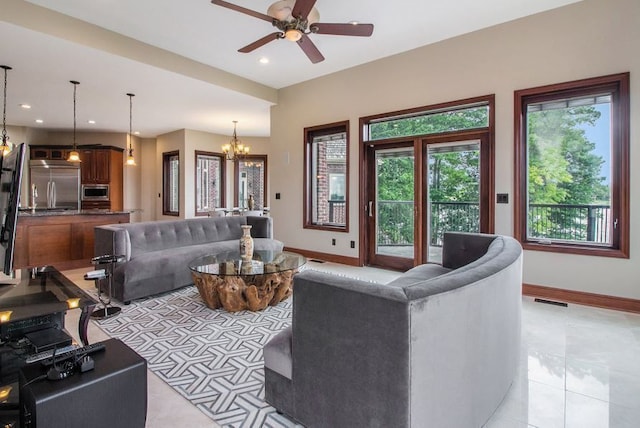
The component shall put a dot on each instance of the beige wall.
(586, 39)
(146, 159)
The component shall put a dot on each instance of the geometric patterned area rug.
(211, 357)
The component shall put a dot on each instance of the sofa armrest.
(261, 226)
(355, 333)
(112, 240)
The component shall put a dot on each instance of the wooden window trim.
(619, 84)
(487, 160)
(223, 176)
(166, 156)
(236, 174)
(309, 134)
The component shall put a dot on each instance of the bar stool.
(108, 309)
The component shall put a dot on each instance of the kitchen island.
(61, 238)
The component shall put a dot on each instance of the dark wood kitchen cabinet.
(96, 165)
(49, 153)
(103, 166)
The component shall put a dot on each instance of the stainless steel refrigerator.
(57, 184)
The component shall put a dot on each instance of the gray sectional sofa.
(437, 347)
(157, 253)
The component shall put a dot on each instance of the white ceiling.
(190, 86)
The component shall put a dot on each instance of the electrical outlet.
(502, 198)
(333, 241)
(353, 244)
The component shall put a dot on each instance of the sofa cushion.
(277, 353)
(418, 274)
(160, 235)
(460, 249)
(171, 262)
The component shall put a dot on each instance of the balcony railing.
(560, 221)
(570, 222)
(337, 211)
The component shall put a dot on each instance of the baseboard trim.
(335, 258)
(582, 298)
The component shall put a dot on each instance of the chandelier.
(5, 139)
(130, 160)
(74, 156)
(235, 149)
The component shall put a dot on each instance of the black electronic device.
(17, 329)
(11, 166)
(75, 354)
(48, 338)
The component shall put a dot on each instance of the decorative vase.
(246, 243)
(250, 203)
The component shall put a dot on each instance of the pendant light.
(235, 149)
(74, 156)
(5, 139)
(130, 160)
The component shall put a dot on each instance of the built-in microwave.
(95, 192)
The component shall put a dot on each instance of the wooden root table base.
(242, 292)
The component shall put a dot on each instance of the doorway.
(420, 189)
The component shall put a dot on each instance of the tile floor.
(579, 368)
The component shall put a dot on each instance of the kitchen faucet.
(34, 195)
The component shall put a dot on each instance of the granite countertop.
(25, 212)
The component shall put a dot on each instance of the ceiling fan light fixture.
(293, 35)
(281, 10)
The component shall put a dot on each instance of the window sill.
(576, 249)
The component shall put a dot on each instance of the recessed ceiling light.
(39, 121)
(25, 106)
(91, 122)
(353, 22)
(136, 133)
(264, 60)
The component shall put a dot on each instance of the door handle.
(370, 208)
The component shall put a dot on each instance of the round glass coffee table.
(226, 281)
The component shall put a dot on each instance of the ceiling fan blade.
(243, 10)
(310, 49)
(364, 30)
(261, 42)
(302, 8)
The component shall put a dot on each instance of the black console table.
(40, 294)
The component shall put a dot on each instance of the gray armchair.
(438, 347)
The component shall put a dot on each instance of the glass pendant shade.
(130, 159)
(74, 156)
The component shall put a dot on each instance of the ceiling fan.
(295, 19)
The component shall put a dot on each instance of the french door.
(419, 189)
(391, 206)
